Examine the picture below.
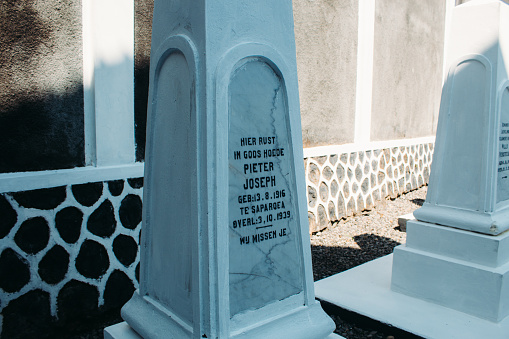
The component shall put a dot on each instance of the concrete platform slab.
(365, 290)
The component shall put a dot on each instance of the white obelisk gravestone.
(225, 249)
(457, 253)
(451, 278)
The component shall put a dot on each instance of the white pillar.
(364, 89)
(449, 7)
(108, 66)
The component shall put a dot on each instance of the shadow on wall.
(142, 39)
(43, 133)
(41, 95)
(41, 84)
(141, 81)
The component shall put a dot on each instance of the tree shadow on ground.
(418, 202)
(328, 261)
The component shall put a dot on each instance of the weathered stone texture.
(92, 261)
(42, 199)
(77, 299)
(8, 217)
(33, 235)
(54, 265)
(327, 87)
(125, 249)
(14, 271)
(87, 194)
(119, 289)
(130, 211)
(68, 222)
(407, 85)
(116, 187)
(102, 221)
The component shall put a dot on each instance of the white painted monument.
(225, 249)
(451, 279)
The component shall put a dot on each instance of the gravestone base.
(444, 283)
(120, 330)
(124, 331)
(147, 320)
(458, 269)
(366, 290)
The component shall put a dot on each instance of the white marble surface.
(366, 290)
(211, 84)
(264, 262)
(120, 330)
(169, 203)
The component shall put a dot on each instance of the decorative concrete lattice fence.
(340, 185)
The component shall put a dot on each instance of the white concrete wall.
(369, 70)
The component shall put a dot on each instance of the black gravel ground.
(344, 245)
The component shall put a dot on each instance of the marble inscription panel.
(503, 151)
(265, 264)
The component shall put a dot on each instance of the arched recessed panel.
(503, 149)
(265, 263)
(169, 211)
(463, 158)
